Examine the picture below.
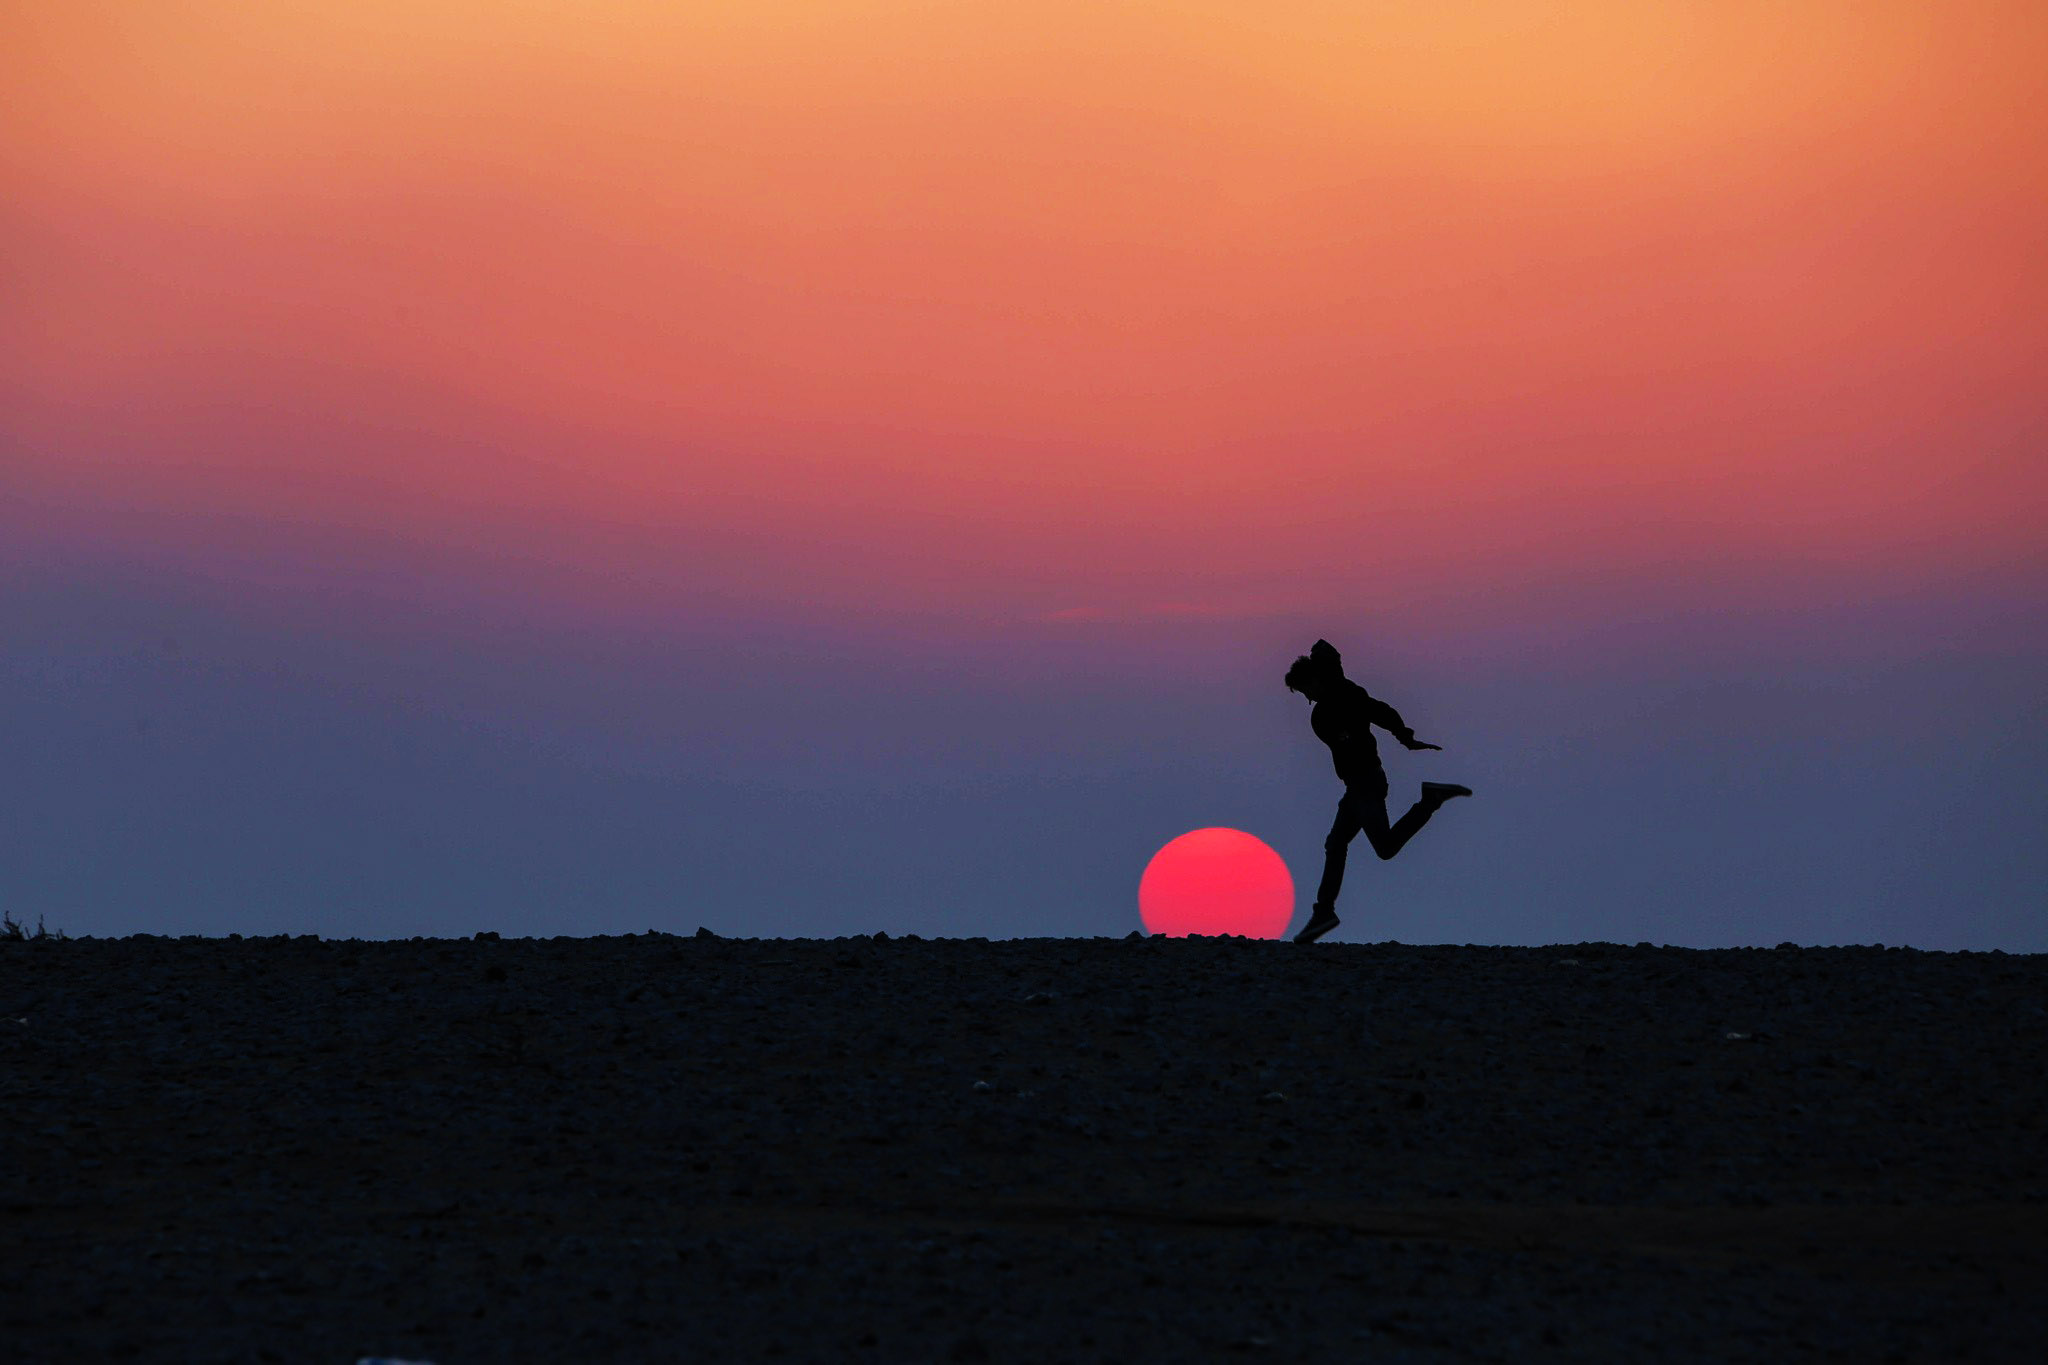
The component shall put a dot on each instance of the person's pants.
(1364, 811)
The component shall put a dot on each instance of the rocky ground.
(657, 1148)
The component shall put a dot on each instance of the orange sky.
(1091, 309)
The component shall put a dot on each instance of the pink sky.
(1079, 312)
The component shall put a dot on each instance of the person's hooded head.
(1314, 672)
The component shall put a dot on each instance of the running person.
(1343, 718)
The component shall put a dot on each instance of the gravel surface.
(661, 1148)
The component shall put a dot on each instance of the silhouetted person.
(1343, 718)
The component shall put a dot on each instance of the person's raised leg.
(1387, 840)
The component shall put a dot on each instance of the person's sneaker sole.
(1316, 928)
(1444, 790)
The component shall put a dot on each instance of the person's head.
(1314, 672)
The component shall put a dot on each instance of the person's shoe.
(1444, 791)
(1320, 921)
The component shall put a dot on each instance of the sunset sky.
(810, 468)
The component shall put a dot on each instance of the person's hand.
(1418, 744)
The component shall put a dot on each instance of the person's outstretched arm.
(1388, 719)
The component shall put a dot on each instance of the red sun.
(1216, 881)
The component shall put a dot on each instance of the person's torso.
(1344, 723)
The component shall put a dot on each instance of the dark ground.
(659, 1148)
